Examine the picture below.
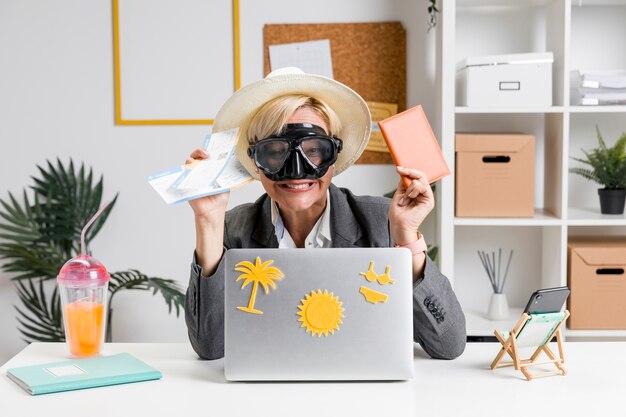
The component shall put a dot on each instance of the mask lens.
(271, 154)
(318, 150)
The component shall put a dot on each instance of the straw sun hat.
(349, 106)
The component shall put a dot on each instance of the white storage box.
(517, 80)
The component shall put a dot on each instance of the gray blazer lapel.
(344, 227)
(263, 233)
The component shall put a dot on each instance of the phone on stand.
(547, 300)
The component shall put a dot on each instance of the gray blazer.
(355, 221)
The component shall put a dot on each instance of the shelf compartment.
(542, 218)
(593, 29)
(582, 193)
(592, 217)
(594, 335)
(588, 3)
(508, 110)
(596, 31)
(597, 109)
(538, 262)
(539, 110)
(502, 28)
(565, 204)
(604, 230)
(478, 324)
(548, 132)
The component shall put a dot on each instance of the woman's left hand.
(410, 206)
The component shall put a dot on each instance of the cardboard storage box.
(597, 282)
(517, 80)
(495, 175)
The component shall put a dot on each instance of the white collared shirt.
(319, 236)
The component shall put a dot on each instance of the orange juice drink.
(83, 284)
(84, 321)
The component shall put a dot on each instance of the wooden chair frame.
(510, 346)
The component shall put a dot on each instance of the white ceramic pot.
(498, 307)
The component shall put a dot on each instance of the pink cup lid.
(83, 271)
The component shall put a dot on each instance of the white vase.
(498, 307)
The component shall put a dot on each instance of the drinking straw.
(83, 249)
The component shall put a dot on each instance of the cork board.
(370, 58)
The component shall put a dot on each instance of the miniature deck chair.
(533, 330)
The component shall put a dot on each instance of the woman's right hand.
(211, 206)
(210, 212)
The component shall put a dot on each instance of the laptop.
(328, 314)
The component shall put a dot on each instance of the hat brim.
(351, 109)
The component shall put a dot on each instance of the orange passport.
(413, 144)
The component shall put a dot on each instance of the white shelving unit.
(582, 34)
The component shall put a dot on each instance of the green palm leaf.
(50, 222)
(38, 234)
(41, 319)
(24, 248)
(62, 222)
(135, 280)
(432, 252)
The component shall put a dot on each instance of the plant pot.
(612, 201)
(498, 307)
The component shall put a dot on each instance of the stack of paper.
(600, 88)
(219, 173)
(312, 57)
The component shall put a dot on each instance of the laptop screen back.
(327, 314)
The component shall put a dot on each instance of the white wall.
(56, 100)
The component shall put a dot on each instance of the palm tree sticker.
(257, 273)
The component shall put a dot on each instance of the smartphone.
(547, 300)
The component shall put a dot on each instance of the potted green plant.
(607, 168)
(432, 14)
(41, 231)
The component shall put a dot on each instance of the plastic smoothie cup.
(83, 286)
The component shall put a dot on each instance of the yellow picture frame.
(119, 120)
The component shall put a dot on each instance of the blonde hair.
(272, 117)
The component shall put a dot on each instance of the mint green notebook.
(82, 373)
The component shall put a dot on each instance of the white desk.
(191, 387)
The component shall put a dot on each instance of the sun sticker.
(257, 273)
(321, 313)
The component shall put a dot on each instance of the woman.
(303, 129)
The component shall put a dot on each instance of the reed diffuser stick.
(494, 270)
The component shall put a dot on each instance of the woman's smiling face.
(301, 194)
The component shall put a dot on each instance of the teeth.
(297, 186)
